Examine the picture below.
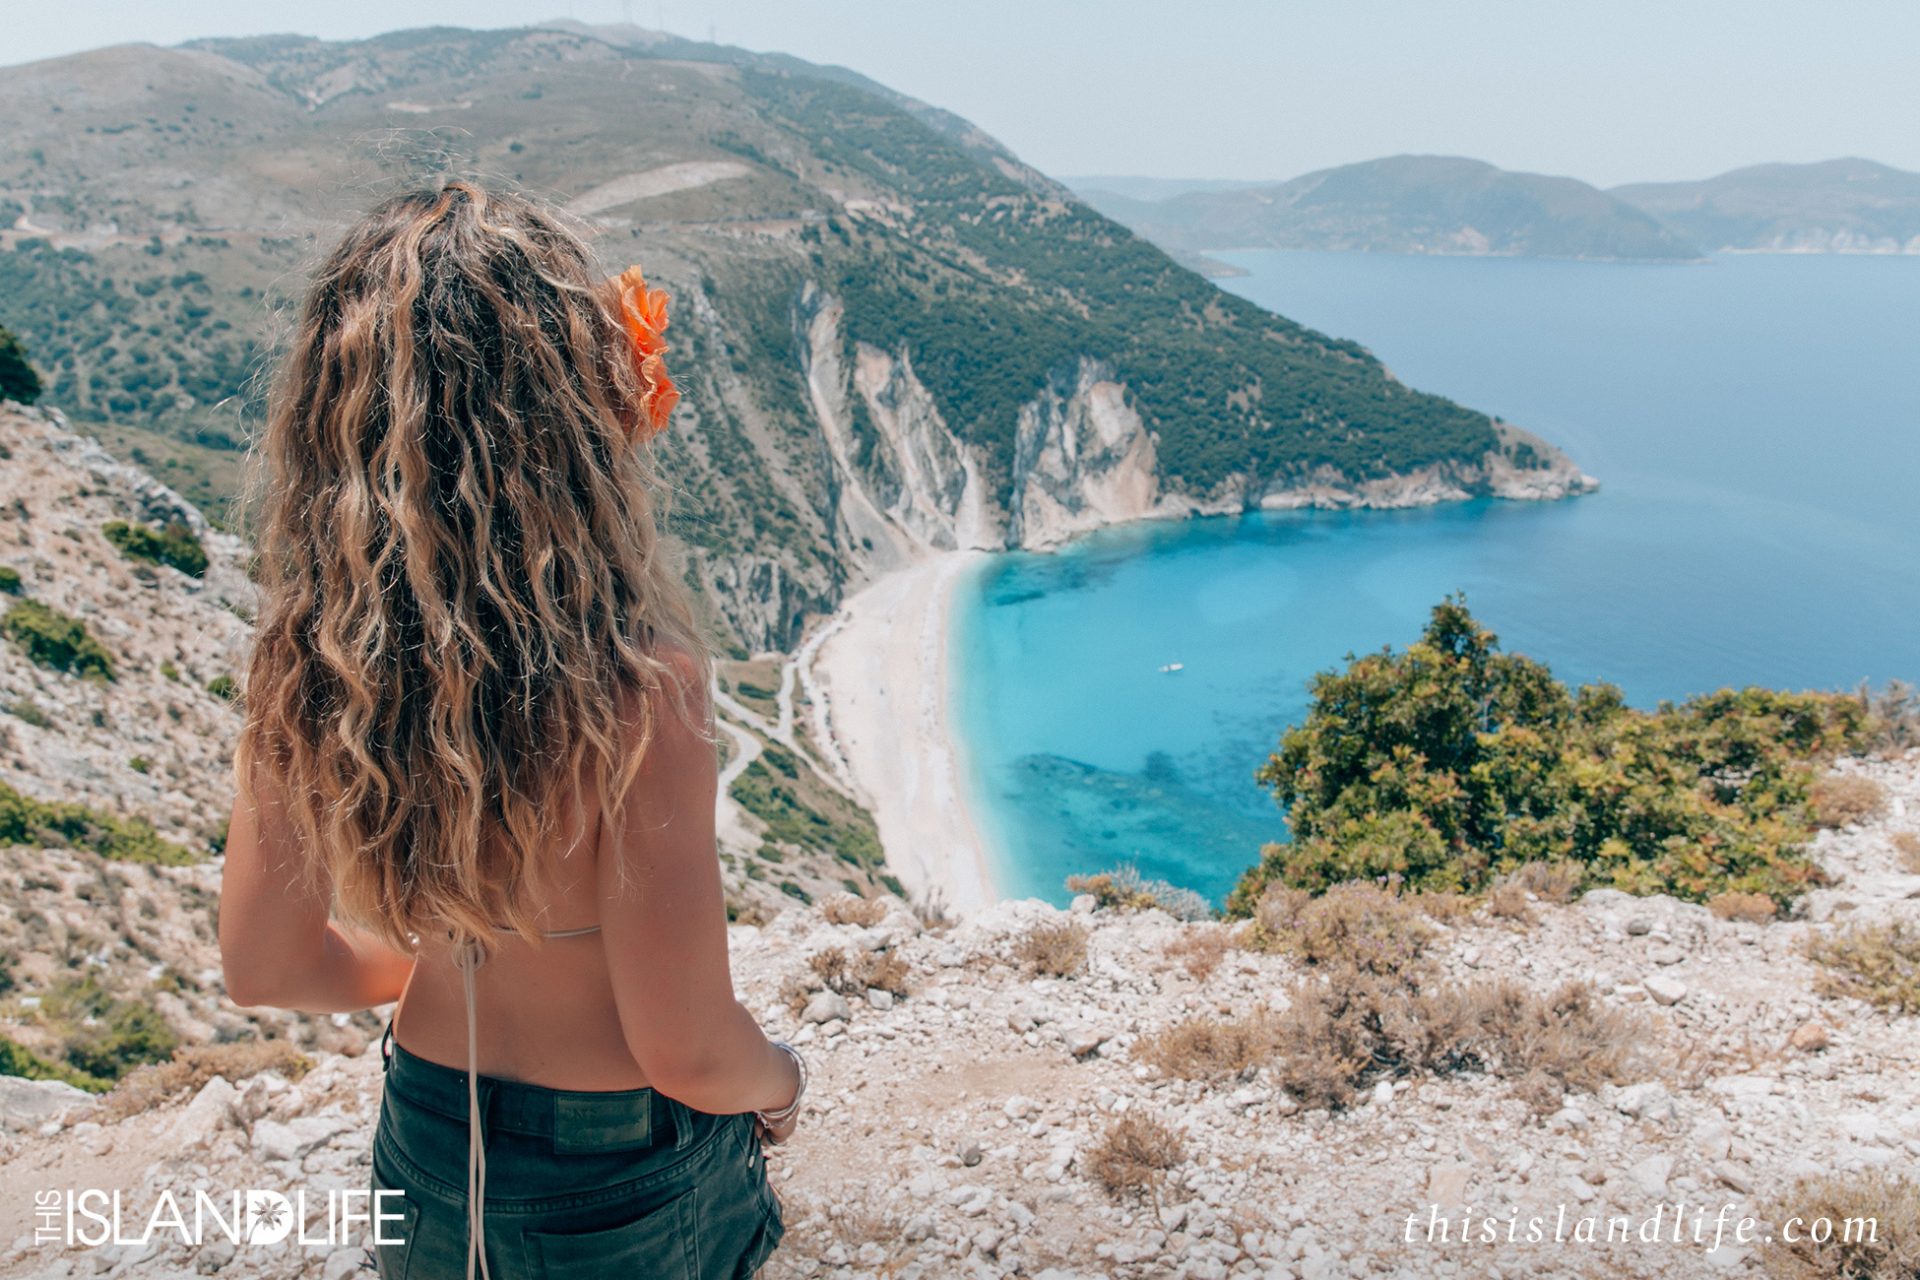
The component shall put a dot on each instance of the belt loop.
(682, 1116)
(386, 1048)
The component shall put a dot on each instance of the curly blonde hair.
(463, 582)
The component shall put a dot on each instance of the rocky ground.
(955, 1129)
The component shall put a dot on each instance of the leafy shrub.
(1877, 963)
(173, 544)
(56, 640)
(24, 820)
(1123, 889)
(17, 1060)
(27, 710)
(1446, 765)
(10, 580)
(1845, 799)
(1134, 1155)
(224, 687)
(107, 1035)
(1875, 1221)
(1056, 950)
(18, 379)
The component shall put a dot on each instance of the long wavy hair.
(463, 583)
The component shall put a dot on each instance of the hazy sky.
(1609, 91)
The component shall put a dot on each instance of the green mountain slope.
(888, 329)
(1402, 204)
(1836, 206)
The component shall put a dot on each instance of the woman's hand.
(779, 1132)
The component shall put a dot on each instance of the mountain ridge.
(161, 205)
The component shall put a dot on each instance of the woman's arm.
(665, 929)
(277, 945)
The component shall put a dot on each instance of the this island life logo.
(92, 1217)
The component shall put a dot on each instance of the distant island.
(1403, 204)
(1835, 206)
(1454, 205)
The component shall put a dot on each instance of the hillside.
(892, 335)
(1403, 204)
(965, 1110)
(1836, 206)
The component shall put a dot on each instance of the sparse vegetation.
(1200, 949)
(1053, 950)
(1210, 1048)
(10, 580)
(191, 1066)
(103, 1035)
(1872, 1231)
(16, 1060)
(24, 820)
(853, 973)
(1877, 963)
(172, 544)
(1134, 1155)
(1124, 889)
(56, 640)
(224, 687)
(1451, 763)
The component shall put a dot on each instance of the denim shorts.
(578, 1184)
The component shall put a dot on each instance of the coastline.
(880, 676)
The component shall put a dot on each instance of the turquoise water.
(1755, 423)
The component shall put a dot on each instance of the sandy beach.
(879, 677)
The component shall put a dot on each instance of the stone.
(826, 1006)
(1810, 1037)
(28, 1104)
(1664, 989)
(295, 1138)
(212, 1109)
(1082, 1041)
(971, 1154)
(1638, 926)
(1648, 1100)
(1084, 904)
(879, 999)
(1649, 1176)
(1447, 1183)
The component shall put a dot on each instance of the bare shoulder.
(676, 715)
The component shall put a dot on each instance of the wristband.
(786, 1113)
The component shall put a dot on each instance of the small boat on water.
(1171, 667)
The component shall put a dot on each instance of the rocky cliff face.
(902, 483)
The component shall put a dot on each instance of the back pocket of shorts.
(662, 1244)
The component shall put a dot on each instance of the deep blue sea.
(1754, 422)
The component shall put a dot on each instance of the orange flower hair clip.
(643, 314)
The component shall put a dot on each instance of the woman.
(477, 774)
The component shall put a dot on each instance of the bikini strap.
(468, 955)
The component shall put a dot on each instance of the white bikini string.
(467, 955)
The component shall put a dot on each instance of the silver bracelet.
(786, 1113)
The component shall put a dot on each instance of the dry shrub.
(1878, 963)
(1906, 850)
(1339, 1036)
(847, 908)
(1357, 924)
(1842, 799)
(1752, 908)
(1554, 882)
(1875, 1228)
(1124, 889)
(1200, 950)
(1055, 950)
(1444, 905)
(1509, 900)
(851, 973)
(145, 1088)
(1210, 1048)
(1134, 1155)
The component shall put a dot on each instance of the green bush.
(54, 639)
(173, 544)
(24, 820)
(1447, 765)
(16, 1060)
(223, 687)
(18, 380)
(107, 1035)
(10, 581)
